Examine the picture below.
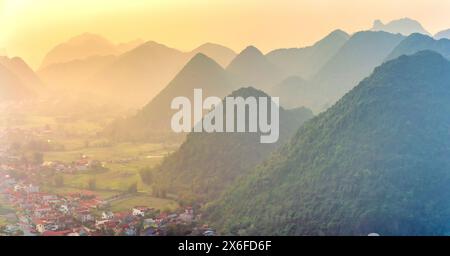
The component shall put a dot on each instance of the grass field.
(123, 162)
(143, 200)
(78, 137)
(149, 151)
(102, 194)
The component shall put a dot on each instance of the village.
(35, 212)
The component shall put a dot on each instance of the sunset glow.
(30, 28)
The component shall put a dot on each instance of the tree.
(92, 184)
(133, 188)
(146, 175)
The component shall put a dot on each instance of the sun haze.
(31, 28)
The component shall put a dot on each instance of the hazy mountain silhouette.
(138, 75)
(252, 68)
(403, 26)
(128, 46)
(11, 86)
(22, 71)
(133, 78)
(208, 163)
(419, 42)
(153, 121)
(354, 61)
(79, 47)
(75, 75)
(443, 34)
(374, 162)
(294, 92)
(305, 62)
(219, 53)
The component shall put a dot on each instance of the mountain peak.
(388, 138)
(219, 53)
(445, 34)
(200, 60)
(251, 51)
(404, 26)
(338, 32)
(248, 92)
(418, 42)
(251, 67)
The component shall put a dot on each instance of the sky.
(30, 28)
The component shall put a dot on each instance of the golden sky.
(29, 28)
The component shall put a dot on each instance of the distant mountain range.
(11, 86)
(443, 34)
(377, 161)
(354, 61)
(130, 73)
(75, 75)
(25, 74)
(208, 163)
(84, 46)
(419, 42)
(306, 62)
(405, 26)
(221, 54)
(252, 68)
(153, 121)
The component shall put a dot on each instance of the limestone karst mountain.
(76, 75)
(252, 68)
(79, 47)
(12, 87)
(153, 121)
(419, 42)
(353, 62)
(306, 62)
(22, 71)
(208, 163)
(377, 161)
(221, 54)
(405, 26)
(443, 34)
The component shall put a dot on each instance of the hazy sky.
(29, 28)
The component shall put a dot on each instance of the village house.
(140, 211)
(107, 215)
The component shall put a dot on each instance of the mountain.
(21, 69)
(219, 53)
(208, 163)
(442, 34)
(377, 161)
(11, 86)
(140, 74)
(134, 77)
(74, 75)
(79, 47)
(294, 92)
(153, 121)
(252, 68)
(418, 42)
(403, 26)
(354, 61)
(305, 62)
(128, 46)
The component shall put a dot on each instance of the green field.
(122, 161)
(73, 138)
(64, 191)
(147, 151)
(143, 200)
